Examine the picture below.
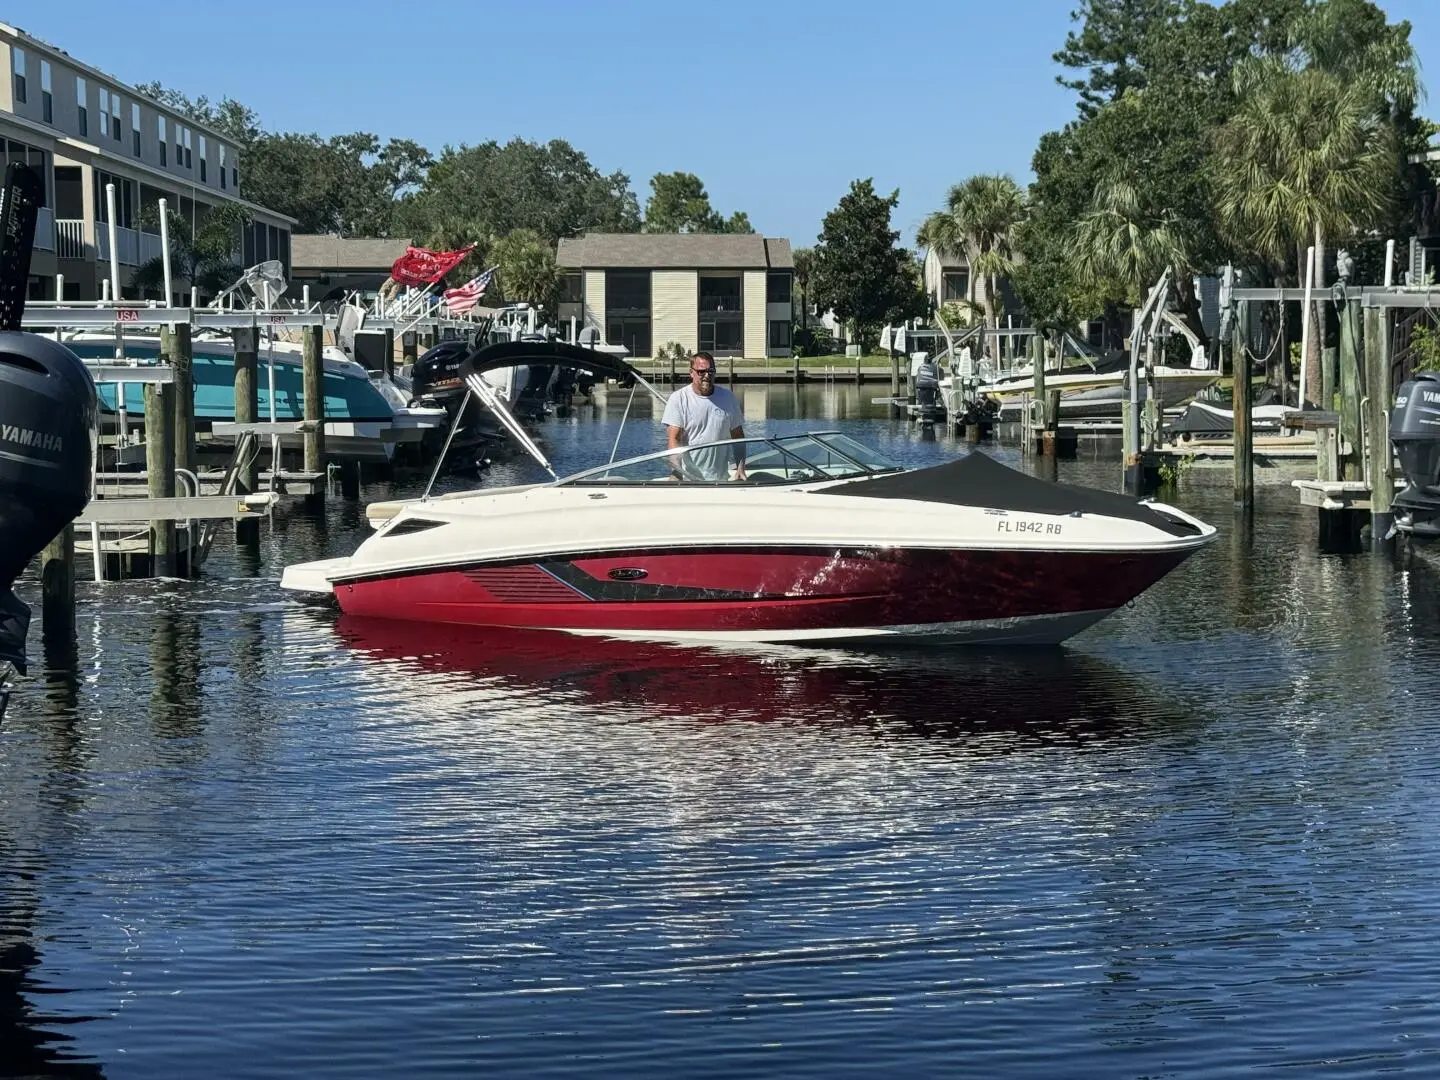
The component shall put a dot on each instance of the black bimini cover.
(505, 354)
(979, 480)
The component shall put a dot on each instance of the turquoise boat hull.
(346, 398)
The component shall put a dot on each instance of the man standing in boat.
(701, 413)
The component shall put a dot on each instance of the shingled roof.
(674, 251)
(325, 251)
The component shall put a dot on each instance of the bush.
(672, 350)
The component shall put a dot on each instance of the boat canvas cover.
(979, 480)
(1197, 419)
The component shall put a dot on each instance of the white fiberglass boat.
(817, 538)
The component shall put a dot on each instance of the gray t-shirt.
(705, 419)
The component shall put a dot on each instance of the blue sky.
(776, 105)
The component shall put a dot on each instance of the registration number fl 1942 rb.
(1039, 528)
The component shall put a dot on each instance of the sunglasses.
(702, 371)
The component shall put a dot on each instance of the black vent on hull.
(979, 480)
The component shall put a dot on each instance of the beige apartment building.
(728, 295)
(83, 130)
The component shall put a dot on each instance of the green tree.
(678, 203)
(348, 184)
(804, 271)
(859, 272)
(527, 270)
(980, 218)
(550, 188)
(206, 257)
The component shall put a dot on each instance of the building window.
(574, 289)
(779, 334)
(235, 178)
(777, 291)
(721, 294)
(135, 126)
(13, 153)
(954, 285)
(189, 161)
(163, 138)
(179, 147)
(722, 336)
(47, 102)
(80, 110)
(124, 199)
(202, 159)
(115, 117)
(220, 147)
(18, 63)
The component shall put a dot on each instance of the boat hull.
(777, 594)
(1101, 396)
(213, 373)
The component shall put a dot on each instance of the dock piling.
(1244, 432)
(176, 343)
(1351, 450)
(247, 411)
(57, 583)
(313, 370)
(1378, 393)
(160, 454)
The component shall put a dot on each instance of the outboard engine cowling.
(1415, 433)
(48, 418)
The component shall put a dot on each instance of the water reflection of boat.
(1041, 694)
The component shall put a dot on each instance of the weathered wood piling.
(313, 384)
(247, 411)
(160, 458)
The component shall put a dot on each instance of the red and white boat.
(822, 540)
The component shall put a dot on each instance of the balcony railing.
(70, 239)
(150, 247)
(127, 244)
(45, 229)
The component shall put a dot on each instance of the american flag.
(462, 299)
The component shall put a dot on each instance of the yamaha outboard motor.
(48, 422)
(1415, 431)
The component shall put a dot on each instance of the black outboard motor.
(48, 422)
(48, 418)
(1415, 431)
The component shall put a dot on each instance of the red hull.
(756, 591)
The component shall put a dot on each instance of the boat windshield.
(779, 459)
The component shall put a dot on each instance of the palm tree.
(1346, 80)
(1118, 240)
(204, 253)
(528, 274)
(1306, 156)
(979, 218)
(804, 259)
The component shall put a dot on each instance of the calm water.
(239, 838)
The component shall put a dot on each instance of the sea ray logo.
(36, 439)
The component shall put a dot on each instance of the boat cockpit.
(778, 459)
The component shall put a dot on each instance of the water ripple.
(242, 837)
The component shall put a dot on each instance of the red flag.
(421, 266)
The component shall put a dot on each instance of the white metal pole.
(165, 251)
(97, 557)
(114, 249)
(1390, 264)
(305, 297)
(1305, 324)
